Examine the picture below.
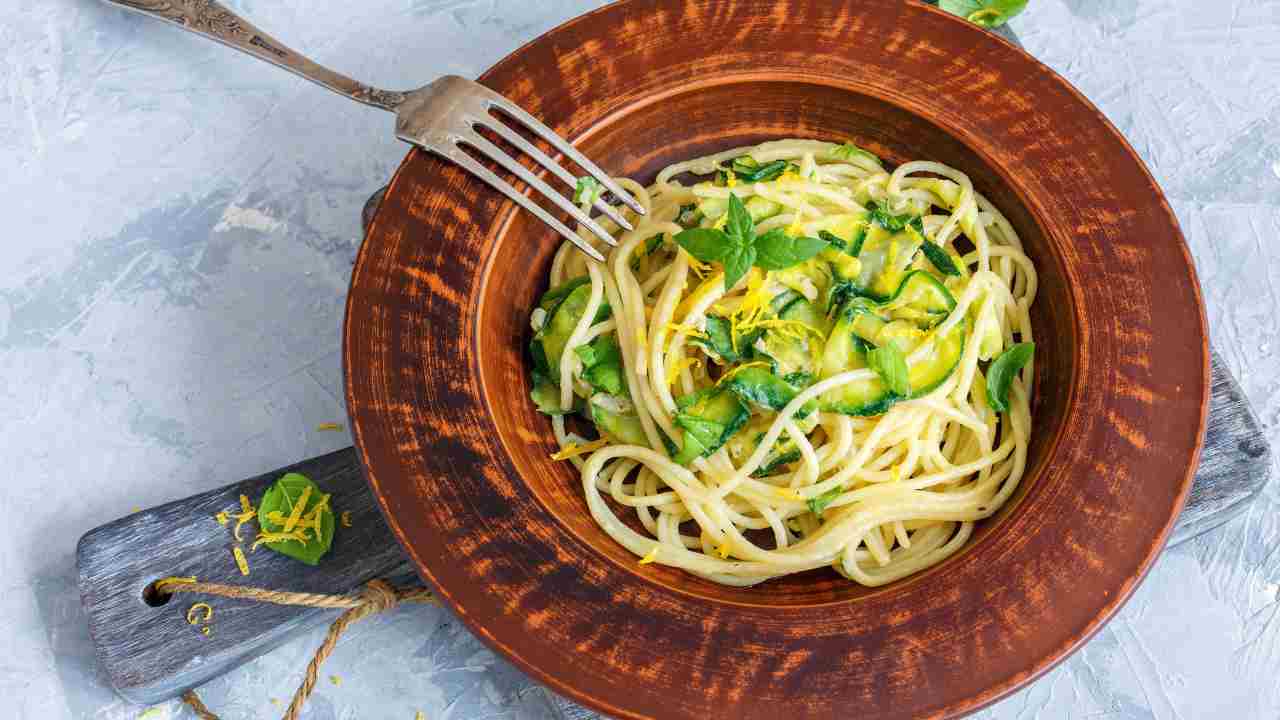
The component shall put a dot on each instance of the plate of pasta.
(885, 405)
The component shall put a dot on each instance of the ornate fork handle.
(215, 21)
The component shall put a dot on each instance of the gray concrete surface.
(179, 225)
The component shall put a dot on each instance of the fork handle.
(214, 21)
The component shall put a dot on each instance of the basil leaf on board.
(740, 228)
(546, 395)
(706, 244)
(587, 190)
(776, 250)
(820, 503)
(984, 13)
(736, 264)
(280, 497)
(940, 258)
(889, 364)
(1002, 372)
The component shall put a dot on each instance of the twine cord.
(375, 597)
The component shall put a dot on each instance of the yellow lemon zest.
(295, 513)
(246, 514)
(727, 376)
(732, 179)
(795, 229)
(335, 679)
(332, 426)
(574, 450)
(205, 630)
(723, 550)
(686, 329)
(789, 176)
(222, 518)
(673, 370)
(650, 557)
(419, 716)
(270, 537)
(721, 222)
(199, 607)
(241, 562)
(896, 473)
(789, 493)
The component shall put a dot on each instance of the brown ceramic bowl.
(438, 393)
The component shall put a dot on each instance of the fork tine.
(495, 153)
(470, 164)
(515, 112)
(532, 150)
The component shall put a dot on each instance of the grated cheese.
(650, 557)
(574, 450)
(241, 562)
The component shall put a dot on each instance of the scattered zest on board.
(830, 364)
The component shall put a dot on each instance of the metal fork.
(441, 117)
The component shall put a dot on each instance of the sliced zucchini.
(921, 298)
(554, 335)
(885, 258)
(551, 298)
(787, 353)
(806, 312)
(844, 352)
(758, 386)
(546, 395)
(610, 416)
(811, 278)
(710, 417)
(848, 227)
(943, 357)
(761, 209)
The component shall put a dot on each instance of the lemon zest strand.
(673, 371)
(241, 561)
(191, 613)
(650, 557)
(295, 513)
(574, 450)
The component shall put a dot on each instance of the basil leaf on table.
(984, 13)
(776, 250)
(1002, 372)
(889, 364)
(281, 498)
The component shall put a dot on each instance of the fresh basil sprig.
(984, 13)
(889, 364)
(1002, 372)
(737, 247)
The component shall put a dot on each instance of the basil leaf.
(707, 433)
(776, 250)
(706, 244)
(736, 264)
(281, 497)
(587, 190)
(740, 228)
(1001, 373)
(761, 387)
(889, 364)
(940, 258)
(602, 364)
(984, 13)
(820, 503)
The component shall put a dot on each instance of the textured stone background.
(180, 222)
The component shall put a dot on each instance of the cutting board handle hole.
(154, 596)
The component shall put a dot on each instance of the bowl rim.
(383, 483)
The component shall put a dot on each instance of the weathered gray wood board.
(151, 653)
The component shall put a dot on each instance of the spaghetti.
(858, 397)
